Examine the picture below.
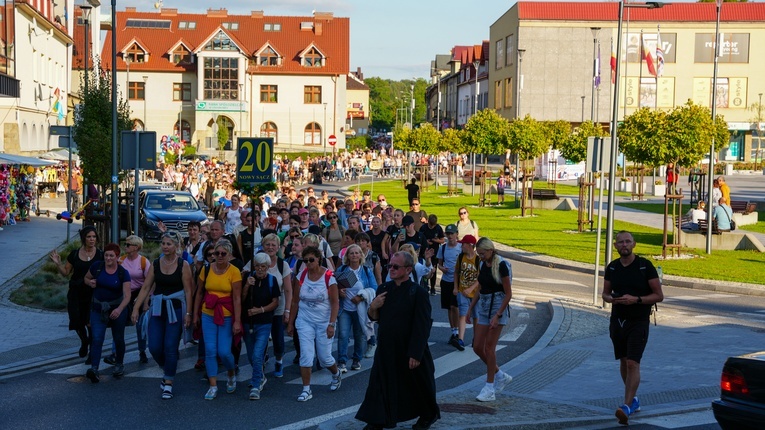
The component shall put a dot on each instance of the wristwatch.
(640, 300)
(333, 324)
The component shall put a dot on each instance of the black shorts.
(629, 338)
(500, 191)
(448, 299)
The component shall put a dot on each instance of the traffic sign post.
(332, 140)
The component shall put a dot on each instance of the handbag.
(732, 223)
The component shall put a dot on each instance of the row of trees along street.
(653, 138)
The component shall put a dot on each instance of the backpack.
(367, 272)
(327, 275)
(121, 271)
(643, 268)
(144, 261)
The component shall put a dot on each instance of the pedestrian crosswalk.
(445, 363)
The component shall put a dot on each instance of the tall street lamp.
(324, 131)
(86, 9)
(595, 67)
(518, 116)
(614, 123)
(115, 172)
(710, 184)
(241, 107)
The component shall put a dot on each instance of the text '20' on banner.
(254, 160)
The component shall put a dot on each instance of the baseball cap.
(302, 211)
(468, 238)
(408, 220)
(451, 228)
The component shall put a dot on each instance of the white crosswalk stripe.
(715, 296)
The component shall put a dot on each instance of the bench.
(703, 227)
(542, 194)
(743, 207)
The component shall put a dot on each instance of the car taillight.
(732, 381)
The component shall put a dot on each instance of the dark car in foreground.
(742, 393)
(174, 208)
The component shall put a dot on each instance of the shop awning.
(61, 154)
(20, 159)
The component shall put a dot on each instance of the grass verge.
(554, 233)
(47, 289)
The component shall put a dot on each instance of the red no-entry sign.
(332, 140)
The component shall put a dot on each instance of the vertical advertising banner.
(631, 88)
(702, 89)
(665, 93)
(738, 87)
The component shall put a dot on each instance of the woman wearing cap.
(465, 286)
(494, 278)
(79, 296)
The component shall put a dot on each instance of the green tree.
(557, 132)
(574, 148)
(758, 120)
(486, 133)
(401, 138)
(358, 142)
(93, 126)
(526, 137)
(222, 134)
(691, 130)
(426, 139)
(644, 137)
(453, 140)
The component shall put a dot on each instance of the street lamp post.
(145, 94)
(241, 96)
(759, 132)
(518, 116)
(86, 9)
(595, 67)
(710, 184)
(614, 123)
(324, 131)
(115, 236)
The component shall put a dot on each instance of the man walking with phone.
(632, 285)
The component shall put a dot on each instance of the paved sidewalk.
(575, 356)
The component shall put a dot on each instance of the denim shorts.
(463, 302)
(486, 308)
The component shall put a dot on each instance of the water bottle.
(661, 275)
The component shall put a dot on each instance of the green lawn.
(554, 233)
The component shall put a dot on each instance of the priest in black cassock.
(402, 383)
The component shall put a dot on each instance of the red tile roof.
(330, 33)
(608, 11)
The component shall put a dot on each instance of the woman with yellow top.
(221, 310)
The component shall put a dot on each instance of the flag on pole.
(597, 68)
(659, 54)
(613, 63)
(648, 58)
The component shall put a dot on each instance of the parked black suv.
(174, 208)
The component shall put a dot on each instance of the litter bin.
(728, 169)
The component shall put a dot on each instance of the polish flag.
(648, 59)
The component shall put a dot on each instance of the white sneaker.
(231, 384)
(370, 353)
(336, 382)
(501, 383)
(211, 393)
(262, 383)
(486, 395)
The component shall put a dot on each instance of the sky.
(390, 39)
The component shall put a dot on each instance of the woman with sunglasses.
(260, 297)
(465, 225)
(315, 302)
(495, 277)
(333, 234)
(249, 240)
(221, 311)
(170, 280)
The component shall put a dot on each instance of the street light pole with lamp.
(614, 124)
(324, 131)
(241, 107)
(519, 87)
(145, 94)
(115, 231)
(595, 67)
(710, 185)
(86, 9)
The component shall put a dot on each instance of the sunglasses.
(331, 217)
(395, 266)
(131, 244)
(463, 213)
(310, 260)
(220, 253)
(295, 236)
(209, 254)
